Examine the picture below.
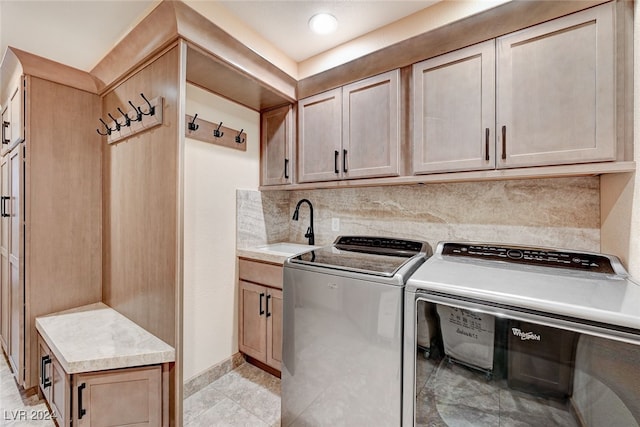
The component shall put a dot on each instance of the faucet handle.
(309, 232)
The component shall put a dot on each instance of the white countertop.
(275, 252)
(96, 337)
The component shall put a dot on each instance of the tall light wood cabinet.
(556, 92)
(277, 136)
(5, 290)
(454, 111)
(51, 252)
(351, 132)
(13, 207)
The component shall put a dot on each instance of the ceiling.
(80, 33)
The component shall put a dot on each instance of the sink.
(286, 248)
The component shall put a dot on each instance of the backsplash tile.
(560, 212)
(261, 220)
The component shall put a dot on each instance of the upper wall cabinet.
(277, 146)
(351, 132)
(454, 111)
(554, 101)
(556, 91)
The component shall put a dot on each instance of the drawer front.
(260, 272)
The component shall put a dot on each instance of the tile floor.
(20, 409)
(246, 396)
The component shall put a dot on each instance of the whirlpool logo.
(525, 336)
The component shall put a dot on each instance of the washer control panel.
(532, 256)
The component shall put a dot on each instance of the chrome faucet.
(309, 234)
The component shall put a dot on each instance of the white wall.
(212, 175)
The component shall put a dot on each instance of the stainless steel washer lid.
(378, 256)
(609, 298)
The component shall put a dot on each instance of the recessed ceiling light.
(323, 23)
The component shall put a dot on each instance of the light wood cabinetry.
(555, 102)
(351, 132)
(260, 329)
(13, 115)
(55, 385)
(454, 111)
(131, 396)
(556, 96)
(5, 290)
(51, 252)
(277, 137)
(320, 136)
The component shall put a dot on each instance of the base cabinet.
(260, 329)
(118, 397)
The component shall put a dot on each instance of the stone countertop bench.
(96, 337)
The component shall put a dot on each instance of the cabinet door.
(253, 321)
(5, 288)
(123, 397)
(44, 371)
(16, 282)
(60, 394)
(454, 111)
(17, 114)
(320, 134)
(371, 127)
(274, 328)
(556, 91)
(6, 129)
(277, 146)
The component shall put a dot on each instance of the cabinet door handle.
(261, 297)
(3, 206)
(268, 298)
(486, 144)
(81, 410)
(46, 382)
(5, 126)
(504, 142)
(335, 162)
(42, 370)
(344, 160)
(286, 168)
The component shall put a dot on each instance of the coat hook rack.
(127, 119)
(239, 139)
(150, 111)
(192, 124)
(215, 133)
(108, 129)
(134, 121)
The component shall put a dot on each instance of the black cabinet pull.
(268, 298)
(3, 206)
(335, 162)
(46, 382)
(344, 161)
(286, 168)
(81, 410)
(486, 144)
(42, 370)
(504, 142)
(5, 126)
(261, 297)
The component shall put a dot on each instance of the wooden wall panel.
(63, 196)
(140, 199)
